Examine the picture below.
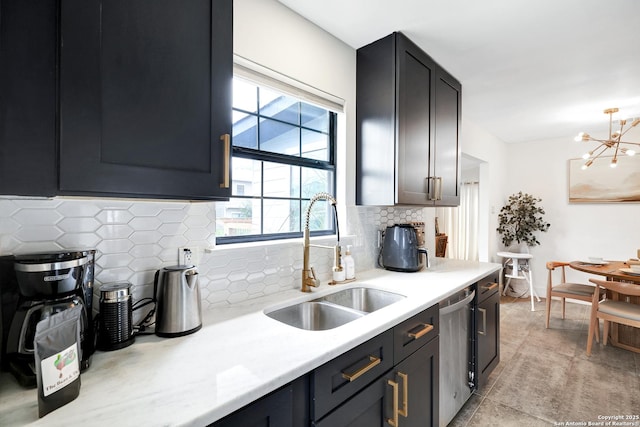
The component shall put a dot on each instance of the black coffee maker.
(35, 286)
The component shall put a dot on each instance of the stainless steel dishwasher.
(456, 353)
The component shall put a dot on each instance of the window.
(283, 154)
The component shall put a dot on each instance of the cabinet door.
(376, 123)
(488, 332)
(145, 96)
(371, 407)
(445, 154)
(28, 97)
(274, 410)
(415, 76)
(419, 375)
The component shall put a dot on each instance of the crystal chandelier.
(614, 141)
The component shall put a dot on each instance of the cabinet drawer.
(488, 286)
(415, 332)
(371, 407)
(337, 380)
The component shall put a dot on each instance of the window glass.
(315, 145)
(282, 152)
(315, 181)
(238, 217)
(321, 215)
(279, 107)
(245, 131)
(281, 216)
(314, 117)
(278, 137)
(281, 180)
(248, 173)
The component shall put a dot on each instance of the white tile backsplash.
(133, 239)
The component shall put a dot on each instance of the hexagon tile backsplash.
(133, 239)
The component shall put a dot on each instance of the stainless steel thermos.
(116, 317)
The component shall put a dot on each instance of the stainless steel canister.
(116, 317)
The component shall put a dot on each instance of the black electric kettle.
(400, 250)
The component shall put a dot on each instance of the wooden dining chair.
(617, 309)
(564, 290)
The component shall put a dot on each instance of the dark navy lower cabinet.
(285, 407)
(487, 328)
(390, 380)
(405, 395)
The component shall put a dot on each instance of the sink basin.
(315, 315)
(363, 299)
(333, 310)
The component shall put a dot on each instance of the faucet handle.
(309, 279)
(313, 275)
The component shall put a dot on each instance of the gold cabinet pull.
(438, 188)
(484, 321)
(434, 187)
(405, 395)
(373, 362)
(226, 140)
(431, 195)
(393, 422)
(426, 328)
(490, 287)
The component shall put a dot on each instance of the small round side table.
(520, 269)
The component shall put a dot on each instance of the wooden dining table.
(622, 336)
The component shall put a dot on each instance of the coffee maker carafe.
(39, 286)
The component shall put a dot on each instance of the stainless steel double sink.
(335, 309)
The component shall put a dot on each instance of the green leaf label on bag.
(60, 370)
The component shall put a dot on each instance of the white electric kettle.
(178, 306)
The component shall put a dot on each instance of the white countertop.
(239, 355)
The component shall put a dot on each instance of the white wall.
(482, 145)
(269, 34)
(609, 230)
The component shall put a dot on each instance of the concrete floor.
(545, 378)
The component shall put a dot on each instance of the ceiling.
(530, 69)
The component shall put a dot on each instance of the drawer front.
(488, 286)
(337, 380)
(371, 407)
(415, 332)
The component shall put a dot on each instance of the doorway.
(467, 224)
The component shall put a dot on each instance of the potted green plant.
(520, 219)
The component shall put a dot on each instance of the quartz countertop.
(238, 356)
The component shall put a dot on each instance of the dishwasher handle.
(458, 305)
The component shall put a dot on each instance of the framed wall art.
(600, 183)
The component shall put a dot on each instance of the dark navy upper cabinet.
(28, 97)
(145, 96)
(407, 127)
(140, 95)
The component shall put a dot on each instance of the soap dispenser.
(349, 265)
